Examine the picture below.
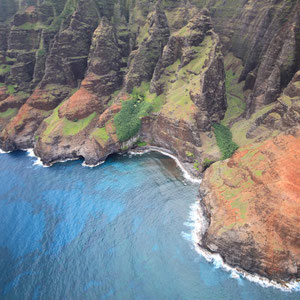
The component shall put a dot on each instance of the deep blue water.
(112, 232)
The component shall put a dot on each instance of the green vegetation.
(235, 97)
(241, 206)
(8, 113)
(22, 94)
(41, 52)
(128, 120)
(68, 10)
(142, 89)
(179, 81)
(52, 122)
(156, 101)
(196, 165)
(207, 163)
(9, 59)
(32, 26)
(234, 109)
(4, 69)
(189, 154)
(100, 135)
(68, 127)
(258, 173)
(72, 128)
(239, 129)
(141, 143)
(224, 140)
(11, 89)
(197, 65)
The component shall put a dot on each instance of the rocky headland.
(89, 78)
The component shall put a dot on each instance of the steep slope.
(88, 78)
(252, 204)
(200, 61)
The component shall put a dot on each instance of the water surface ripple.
(118, 231)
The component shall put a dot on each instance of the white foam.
(92, 166)
(64, 160)
(200, 224)
(4, 152)
(165, 152)
(38, 161)
(30, 152)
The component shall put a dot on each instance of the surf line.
(199, 224)
(165, 152)
(4, 152)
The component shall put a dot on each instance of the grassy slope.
(178, 102)
(63, 126)
(234, 90)
(8, 113)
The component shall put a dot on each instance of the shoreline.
(196, 218)
(140, 151)
(166, 152)
(199, 225)
(3, 152)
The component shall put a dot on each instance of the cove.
(118, 231)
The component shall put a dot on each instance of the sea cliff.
(88, 78)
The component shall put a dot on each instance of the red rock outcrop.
(252, 202)
(80, 105)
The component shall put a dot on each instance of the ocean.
(122, 230)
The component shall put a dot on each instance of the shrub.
(41, 52)
(189, 154)
(206, 163)
(141, 144)
(128, 120)
(224, 140)
(11, 89)
(196, 165)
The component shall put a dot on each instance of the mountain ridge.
(85, 79)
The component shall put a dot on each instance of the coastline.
(3, 152)
(166, 152)
(196, 218)
(139, 151)
(199, 225)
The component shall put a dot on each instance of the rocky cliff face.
(76, 74)
(85, 57)
(252, 203)
(152, 40)
(265, 35)
(190, 78)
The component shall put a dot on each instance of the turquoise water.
(118, 231)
